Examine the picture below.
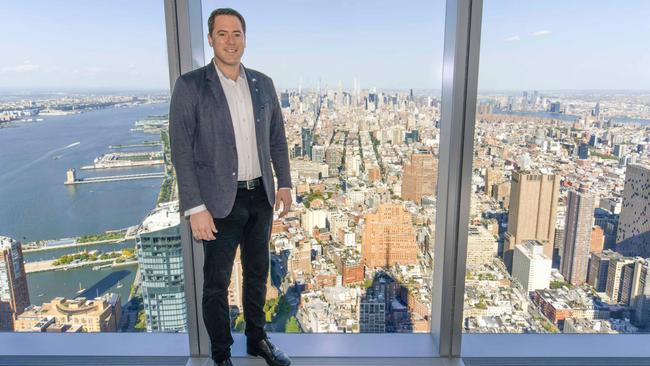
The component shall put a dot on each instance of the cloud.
(93, 70)
(25, 67)
(513, 39)
(541, 33)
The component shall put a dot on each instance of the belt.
(249, 184)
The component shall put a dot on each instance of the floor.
(184, 361)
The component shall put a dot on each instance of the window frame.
(184, 30)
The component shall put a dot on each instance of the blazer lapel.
(253, 86)
(221, 102)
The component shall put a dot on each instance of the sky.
(525, 45)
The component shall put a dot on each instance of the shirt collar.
(223, 77)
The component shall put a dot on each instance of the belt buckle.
(249, 184)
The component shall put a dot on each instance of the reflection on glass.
(559, 234)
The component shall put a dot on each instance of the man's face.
(227, 40)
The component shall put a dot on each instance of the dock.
(72, 180)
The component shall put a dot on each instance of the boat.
(81, 289)
(119, 284)
(40, 295)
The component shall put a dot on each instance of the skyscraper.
(583, 151)
(633, 237)
(533, 210)
(284, 99)
(14, 295)
(640, 292)
(161, 266)
(577, 236)
(615, 276)
(307, 141)
(420, 176)
(555, 107)
(598, 269)
(388, 237)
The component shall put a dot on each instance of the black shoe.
(266, 350)
(226, 362)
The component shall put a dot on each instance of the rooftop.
(164, 216)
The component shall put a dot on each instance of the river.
(37, 205)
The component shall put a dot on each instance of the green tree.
(141, 325)
(292, 325)
(270, 308)
(240, 323)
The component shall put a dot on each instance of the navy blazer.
(203, 139)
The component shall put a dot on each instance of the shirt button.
(233, 173)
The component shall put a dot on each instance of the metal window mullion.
(460, 75)
(184, 28)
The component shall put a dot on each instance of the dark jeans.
(248, 224)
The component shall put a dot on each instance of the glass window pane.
(359, 85)
(89, 243)
(559, 228)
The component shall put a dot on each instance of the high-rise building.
(420, 176)
(530, 266)
(533, 210)
(333, 155)
(615, 276)
(583, 151)
(388, 237)
(318, 153)
(628, 280)
(597, 239)
(492, 176)
(372, 314)
(14, 295)
(307, 141)
(481, 246)
(619, 150)
(161, 266)
(577, 236)
(640, 292)
(555, 107)
(598, 269)
(284, 99)
(633, 237)
(299, 260)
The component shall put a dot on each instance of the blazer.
(202, 140)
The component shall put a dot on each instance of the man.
(226, 130)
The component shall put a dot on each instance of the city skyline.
(520, 49)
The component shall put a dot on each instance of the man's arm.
(278, 144)
(280, 156)
(182, 131)
(182, 128)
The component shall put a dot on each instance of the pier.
(126, 160)
(72, 179)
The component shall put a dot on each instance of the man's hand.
(203, 226)
(283, 196)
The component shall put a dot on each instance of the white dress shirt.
(240, 104)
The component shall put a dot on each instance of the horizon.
(522, 47)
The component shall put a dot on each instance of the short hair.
(225, 11)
